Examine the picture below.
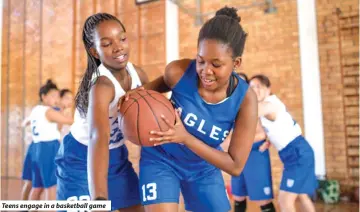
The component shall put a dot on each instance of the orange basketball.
(142, 114)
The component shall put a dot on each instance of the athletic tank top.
(79, 128)
(284, 129)
(208, 122)
(42, 130)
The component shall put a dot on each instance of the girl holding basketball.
(298, 178)
(93, 160)
(211, 99)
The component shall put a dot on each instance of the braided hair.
(82, 96)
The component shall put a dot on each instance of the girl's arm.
(26, 122)
(56, 116)
(241, 141)
(100, 97)
(240, 145)
(173, 73)
(268, 110)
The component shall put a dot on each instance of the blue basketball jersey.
(167, 169)
(208, 122)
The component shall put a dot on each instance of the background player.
(66, 106)
(27, 171)
(298, 179)
(255, 181)
(39, 160)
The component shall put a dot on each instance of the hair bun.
(229, 12)
(49, 81)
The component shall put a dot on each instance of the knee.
(263, 202)
(27, 185)
(239, 198)
(37, 191)
(285, 204)
(51, 190)
(304, 198)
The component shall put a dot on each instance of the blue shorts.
(72, 181)
(162, 179)
(299, 167)
(27, 171)
(255, 181)
(43, 164)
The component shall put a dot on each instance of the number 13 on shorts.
(149, 192)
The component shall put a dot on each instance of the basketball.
(142, 114)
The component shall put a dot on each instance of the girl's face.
(111, 45)
(214, 64)
(260, 89)
(51, 98)
(67, 101)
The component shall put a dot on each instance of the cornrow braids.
(82, 96)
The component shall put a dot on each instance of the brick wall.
(334, 101)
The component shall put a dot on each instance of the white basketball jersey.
(43, 130)
(282, 130)
(80, 127)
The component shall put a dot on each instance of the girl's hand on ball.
(127, 96)
(175, 134)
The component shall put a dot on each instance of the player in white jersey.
(39, 166)
(255, 181)
(298, 179)
(93, 160)
(27, 169)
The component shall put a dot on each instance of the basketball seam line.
(129, 105)
(137, 124)
(133, 102)
(181, 147)
(171, 111)
(151, 111)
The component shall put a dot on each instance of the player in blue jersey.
(298, 178)
(93, 160)
(211, 100)
(39, 166)
(255, 182)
